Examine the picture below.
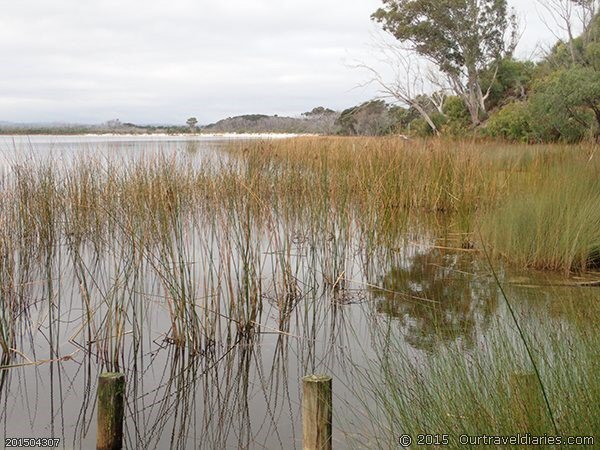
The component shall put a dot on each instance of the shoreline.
(151, 136)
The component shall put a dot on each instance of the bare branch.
(569, 17)
(404, 81)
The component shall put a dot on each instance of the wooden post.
(316, 412)
(528, 401)
(111, 393)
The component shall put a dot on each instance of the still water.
(64, 149)
(318, 304)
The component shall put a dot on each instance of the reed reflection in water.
(213, 294)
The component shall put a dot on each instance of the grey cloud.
(162, 61)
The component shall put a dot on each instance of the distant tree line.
(113, 126)
(476, 86)
(479, 87)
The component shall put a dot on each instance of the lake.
(161, 258)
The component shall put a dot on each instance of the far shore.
(142, 136)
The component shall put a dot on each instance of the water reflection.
(438, 297)
(97, 309)
(233, 398)
(213, 314)
(64, 150)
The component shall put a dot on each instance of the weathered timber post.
(316, 412)
(528, 401)
(111, 404)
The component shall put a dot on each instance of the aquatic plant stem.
(521, 335)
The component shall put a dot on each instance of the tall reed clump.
(455, 389)
(538, 204)
(196, 241)
(9, 301)
(16, 252)
(554, 224)
(211, 234)
(384, 173)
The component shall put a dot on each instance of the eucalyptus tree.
(192, 122)
(463, 38)
(566, 105)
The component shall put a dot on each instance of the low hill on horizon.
(318, 121)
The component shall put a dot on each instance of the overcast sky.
(155, 61)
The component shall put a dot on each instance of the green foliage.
(457, 120)
(463, 38)
(420, 128)
(456, 34)
(455, 109)
(192, 122)
(557, 99)
(592, 56)
(253, 117)
(512, 81)
(512, 122)
(319, 111)
(402, 117)
(580, 51)
(372, 118)
(566, 105)
(560, 55)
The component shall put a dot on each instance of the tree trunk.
(474, 98)
(426, 117)
(472, 105)
(597, 114)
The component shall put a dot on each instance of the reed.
(231, 223)
(280, 237)
(555, 225)
(535, 205)
(471, 390)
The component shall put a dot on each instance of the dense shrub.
(458, 120)
(511, 83)
(563, 105)
(512, 122)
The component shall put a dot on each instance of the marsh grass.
(219, 237)
(205, 240)
(458, 389)
(534, 205)
(276, 238)
(555, 225)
